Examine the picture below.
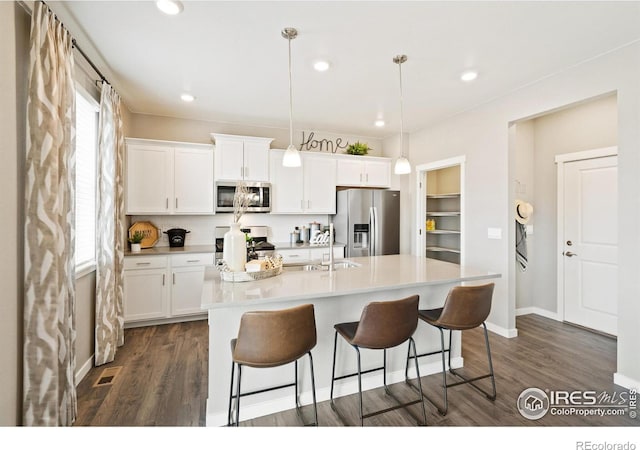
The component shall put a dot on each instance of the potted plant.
(135, 239)
(358, 148)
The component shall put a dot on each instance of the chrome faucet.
(331, 265)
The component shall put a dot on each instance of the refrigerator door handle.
(372, 227)
(376, 237)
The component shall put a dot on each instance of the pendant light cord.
(290, 99)
(401, 113)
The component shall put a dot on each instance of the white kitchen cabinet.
(146, 291)
(187, 278)
(240, 158)
(159, 289)
(363, 171)
(310, 189)
(165, 177)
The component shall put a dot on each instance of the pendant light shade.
(291, 156)
(402, 166)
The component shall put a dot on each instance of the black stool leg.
(384, 371)
(238, 396)
(313, 391)
(360, 387)
(333, 369)
(233, 365)
(295, 382)
(412, 344)
(493, 378)
(444, 375)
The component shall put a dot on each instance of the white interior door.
(590, 247)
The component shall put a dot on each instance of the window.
(86, 152)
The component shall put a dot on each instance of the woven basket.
(239, 277)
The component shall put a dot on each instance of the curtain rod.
(93, 66)
(75, 45)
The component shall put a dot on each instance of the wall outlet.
(494, 233)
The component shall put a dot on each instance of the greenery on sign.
(136, 237)
(358, 148)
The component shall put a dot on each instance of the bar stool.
(382, 325)
(271, 339)
(465, 308)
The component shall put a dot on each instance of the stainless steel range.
(262, 246)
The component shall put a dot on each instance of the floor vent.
(107, 376)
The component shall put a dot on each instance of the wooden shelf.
(442, 249)
(453, 195)
(443, 231)
(443, 213)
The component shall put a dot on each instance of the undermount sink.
(340, 265)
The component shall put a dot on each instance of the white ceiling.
(231, 56)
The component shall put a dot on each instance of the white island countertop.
(372, 274)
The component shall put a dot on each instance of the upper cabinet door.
(165, 177)
(349, 172)
(256, 161)
(286, 186)
(149, 188)
(364, 171)
(193, 185)
(229, 160)
(377, 173)
(319, 184)
(241, 157)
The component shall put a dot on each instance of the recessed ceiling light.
(187, 97)
(379, 123)
(321, 66)
(171, 7)
(469, 75)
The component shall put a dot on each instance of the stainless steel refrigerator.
(368, 221)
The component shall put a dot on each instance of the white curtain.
(110, 233)
(49, 394)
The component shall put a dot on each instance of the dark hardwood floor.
(163, 381)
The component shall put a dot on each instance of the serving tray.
(239, 277)
(150, 231)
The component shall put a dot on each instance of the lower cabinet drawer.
(145, 262)
(192, 259)
(294, 255)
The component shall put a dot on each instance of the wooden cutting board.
(150, 231)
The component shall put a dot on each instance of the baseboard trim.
(626, 382)
(538, 311)
(342, 388)
(84, 370)
(504, 332)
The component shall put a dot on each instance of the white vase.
(234, 251)
(135, 248)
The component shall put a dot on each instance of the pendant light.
(291, 156)
(402, 166)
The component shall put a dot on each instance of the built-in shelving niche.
(443, 207)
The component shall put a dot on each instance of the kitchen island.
(337, 296)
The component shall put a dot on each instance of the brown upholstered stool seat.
(271, 339)
(465, 308)
(382, 325)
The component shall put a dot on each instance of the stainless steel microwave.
(260, 196)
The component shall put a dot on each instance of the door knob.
(570, 254)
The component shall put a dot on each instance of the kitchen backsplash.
(202, 228)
